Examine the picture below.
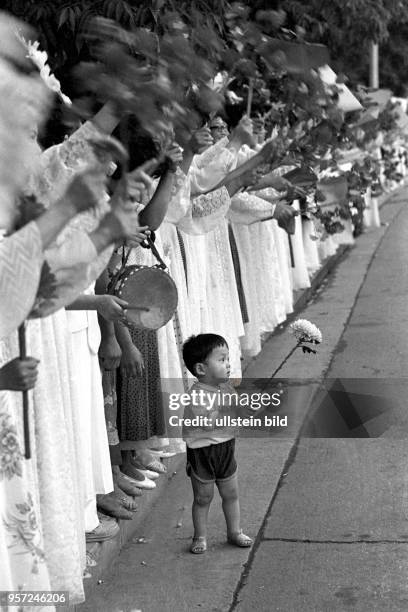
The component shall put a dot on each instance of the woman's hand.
(132, 362)
(138, 236)
(259, 129)
(243, 133)
(19, 374)
(107, 148)
(110, 353)
(244, 129)
(139, 180)
(123, 221)
(285, 216)
(82, 192)
(174, 156)
(200, 140)
(272, 180)
(111, 307)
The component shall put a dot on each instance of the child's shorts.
(214, 463)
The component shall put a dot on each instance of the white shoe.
(162, 453)
(144, 483)
(149, 474)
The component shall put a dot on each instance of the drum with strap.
(149, 290)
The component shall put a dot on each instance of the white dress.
(56, 453)
(213, 296)
(175, 252)
(22, 558)
(21, 259)
(310, 246)
(61, 465)
(259, 267)
(300, 275)
(92, 435)
(219, 308)
(282, 249)
(256, 239)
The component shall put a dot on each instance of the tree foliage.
(345, 26)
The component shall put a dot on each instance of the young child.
(210, 445)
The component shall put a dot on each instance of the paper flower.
(305, 331)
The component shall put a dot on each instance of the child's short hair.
(197, 348)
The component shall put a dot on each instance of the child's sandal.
(240, 539)
(199, 545)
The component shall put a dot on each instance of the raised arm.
(155, 210)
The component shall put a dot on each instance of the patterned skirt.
(140, 408)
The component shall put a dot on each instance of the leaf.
(71, 19)
(119, 11)
(63, 17)
(307, 349)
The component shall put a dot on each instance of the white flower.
(305, 331)
(40, 58)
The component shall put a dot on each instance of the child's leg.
(230, 505)
(203, 495)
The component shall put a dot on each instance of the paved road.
(336, 537)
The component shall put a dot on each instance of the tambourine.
(150, 292)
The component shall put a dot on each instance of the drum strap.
(156, 253)
(150, 245)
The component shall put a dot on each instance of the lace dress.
(260, 266)
(57, 453)
(21, 259)
(267, 284)
(217, 294)
(62, 465)
(213, 296)
(21, 542)
(206, 171)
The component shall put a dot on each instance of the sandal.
(112, 506)
(129, 504)
(90, 561)
(239, 539)
(151, 463)
(199, 545)
(156, 466)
